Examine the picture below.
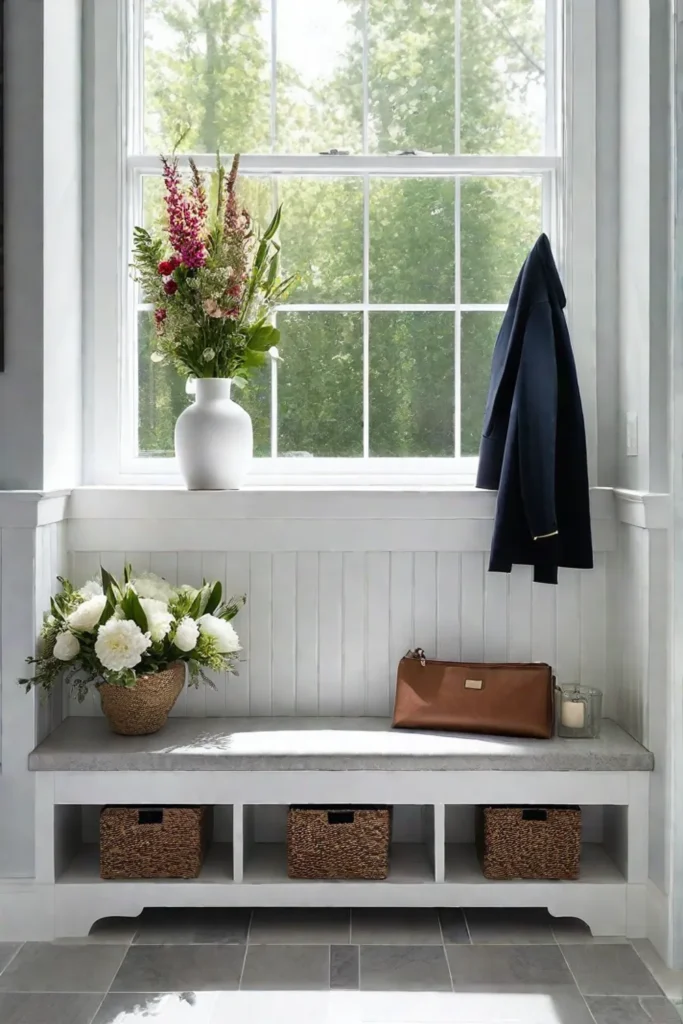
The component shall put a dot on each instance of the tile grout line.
(578, 988)
(467, 926)
(13, 957)
(246, 950)
(445, 951)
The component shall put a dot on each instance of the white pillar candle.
(573, 714)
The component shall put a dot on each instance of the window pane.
(478, 336)
(411, 71)
(320, 384)
(319, 75)
(502, 76)
(411, 384)
(161, 395)
(322, 238)
(207, 73)
(255, 398)
(412, 240)
(500, 220)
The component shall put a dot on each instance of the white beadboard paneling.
(401, 638)
(593, 655)
(519, 613)
(323, 632)
(472, 605)
(283, 641)
(543, 623)
(140, 561)
(354, 634)
(424, 601)
(261, 632)
(213, 568)
(568, 614)
(448, 605)
(496, 616)
(237, 564)
(192, 700)
(379, 668)
(306, 633)
(330, 598)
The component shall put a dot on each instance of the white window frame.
(111, 176)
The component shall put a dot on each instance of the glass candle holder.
(579, 712)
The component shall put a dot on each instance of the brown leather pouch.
(503, 700)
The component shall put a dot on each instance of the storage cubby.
(412, 855)
(603, 846)
(77, 850)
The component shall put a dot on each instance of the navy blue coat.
(533, 448)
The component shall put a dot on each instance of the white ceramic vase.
(214, 440)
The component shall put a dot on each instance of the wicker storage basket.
(338, 842)
(153, 842)
(529, 842)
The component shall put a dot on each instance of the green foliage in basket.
(112, 631)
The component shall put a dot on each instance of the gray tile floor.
(332, 967)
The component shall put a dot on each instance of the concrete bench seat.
(327, 744)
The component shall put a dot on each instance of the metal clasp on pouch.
(474, 684)
(418, 653)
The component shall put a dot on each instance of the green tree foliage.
(207, 66)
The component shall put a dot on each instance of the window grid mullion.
(550, 144)
(273, 75)
(366, 237)
(457, 396)
(457, 325)
(366, 317)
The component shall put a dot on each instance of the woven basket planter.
(529, 842)
(153, 842)
(338, 842)
(144, 708)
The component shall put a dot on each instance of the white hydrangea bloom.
(88, 614)
(223, 633)
(93, 588)
(120, 644)
(66, 646)
(149, 585)
(159, 619)
(186, 634)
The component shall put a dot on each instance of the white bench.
(239, 765)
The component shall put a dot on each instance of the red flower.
(170, 287)
(165, 268)
(159, 316)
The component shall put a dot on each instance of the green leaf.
(214, 598)
(273, 226)
(109, 585)
(109, 610)
(134, 610)
(253, 359)
(231, 608)
(56, 611)
(195, 606)
(261, 339)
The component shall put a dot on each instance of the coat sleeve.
(536, 401)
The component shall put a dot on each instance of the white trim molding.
(644, 509)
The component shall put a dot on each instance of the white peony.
(120, 644)
(149, 585)
(227, 641)
(93, 588)
(159, 619)
(88, 614)
(66, 647)
(186, 634)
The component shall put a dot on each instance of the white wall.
(40, 388)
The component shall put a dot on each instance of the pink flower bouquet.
(212, 278)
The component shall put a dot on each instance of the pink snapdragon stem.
(185, 221)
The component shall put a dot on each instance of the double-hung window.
(416, 148)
